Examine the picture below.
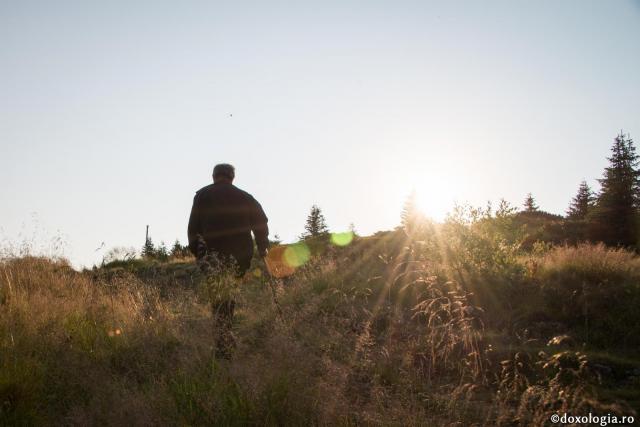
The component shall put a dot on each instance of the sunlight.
(436, 192)
(434, 201)
(439, 180)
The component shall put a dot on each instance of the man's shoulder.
(241, 191)
(224, 191)
(204, 189)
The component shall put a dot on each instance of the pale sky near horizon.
(112, 114)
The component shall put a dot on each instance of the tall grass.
(594, 291)
(457, 325)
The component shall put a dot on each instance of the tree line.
(611, 215)
(161, 252)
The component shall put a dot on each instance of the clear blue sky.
(113, 113)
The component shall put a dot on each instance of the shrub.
(594, 290)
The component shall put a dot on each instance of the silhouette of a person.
(222, 220)
(220, 226)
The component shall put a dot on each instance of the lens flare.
(342, 239)
(276, 264)
(297, 254)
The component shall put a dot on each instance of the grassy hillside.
(453, 324)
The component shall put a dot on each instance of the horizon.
(113, 115)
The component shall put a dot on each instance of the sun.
(434, 201)
(439, 181)
(436, 192)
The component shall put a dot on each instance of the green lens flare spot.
(296, 255)
(342, 239)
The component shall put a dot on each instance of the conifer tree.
(316, 225)
(411, 218)
(582, 203)
(148, 250)
(162, 253)
(615, 215)
(178, 251)
(530, 204)
(409, 215)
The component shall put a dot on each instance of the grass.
(454, 325)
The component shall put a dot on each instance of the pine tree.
(615, 215)
(316, 225)
(179, 251)
(582, 203)
(411, 218)
(409, 213)
(148, 250)
(162, 253)
(530, 204)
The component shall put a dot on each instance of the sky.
(112, 114)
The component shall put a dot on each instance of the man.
(222, 219)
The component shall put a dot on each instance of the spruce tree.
(316, 225)
(162, 253)
(409, 214)
(179, 251)
(530, 204)
(148, 250)
(412, 219)
(582, 203)
(615, 215)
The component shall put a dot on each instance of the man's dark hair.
(224, 170)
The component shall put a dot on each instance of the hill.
(454, 324)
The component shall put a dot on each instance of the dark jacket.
(225, 216)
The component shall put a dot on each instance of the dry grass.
(590, 262)
(369, 335)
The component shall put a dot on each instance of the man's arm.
(259, 227)
(193, 230)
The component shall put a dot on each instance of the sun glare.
(436, 192)
(434, 201)
(437, 177)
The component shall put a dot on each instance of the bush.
(595, 291)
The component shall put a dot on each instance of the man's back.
(225, 216)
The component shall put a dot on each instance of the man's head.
(224, 172)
